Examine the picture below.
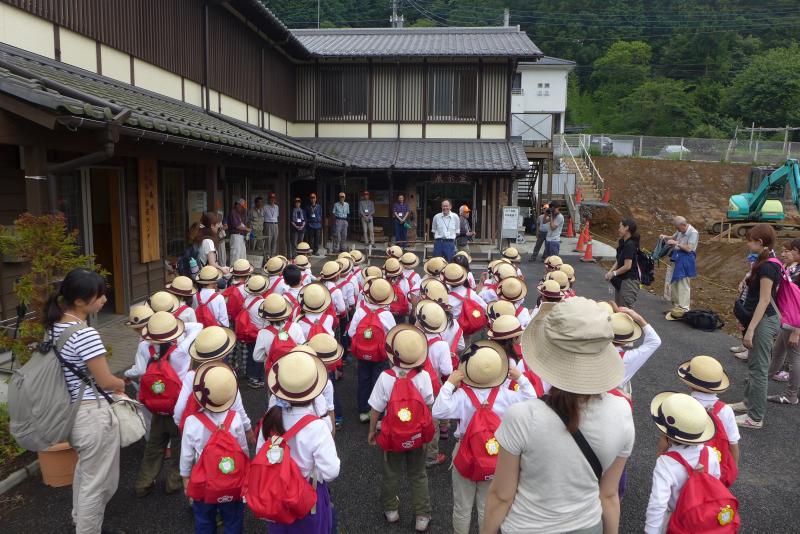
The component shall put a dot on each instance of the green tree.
(624, 66)
(658, 107)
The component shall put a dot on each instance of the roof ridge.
(380, 30)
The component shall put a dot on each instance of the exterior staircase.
(576, 159)
(583, 179)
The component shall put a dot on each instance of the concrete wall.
(552, 99)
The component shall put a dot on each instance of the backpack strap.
(718, 406)
(681, 460)
(154, 357)
(474, 398)
(58, 346)
(459, 335)
(66, 334)
(433, 340)
(391, 373)
(226, 424)
(298, 426)
(250, 305)
(180, 310)
(583, 445)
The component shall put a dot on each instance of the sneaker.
(782, 399)
(744, 421)
(738, 348)
(738, 406)
(444, 432)
(433, 462)
(363, 418)
(339, 422)
(742, 355)
(392, 516)
(421, 524)
(781, 376)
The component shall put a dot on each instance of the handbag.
(131, 421)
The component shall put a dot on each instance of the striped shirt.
(81, 347)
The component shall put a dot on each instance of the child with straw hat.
(330, 352)
(433, 267)
(137, 320)
(273, 269)
(328, 276)
(629, 326)
(280, 335)
(306, 276)
(455, 277)
(409, 261)
(293, 279)
(209, 305)
(506, 331)
(569, 270)
(248, 324)
(234, 294)
(315, 313)
(184, 289)
(515, 290)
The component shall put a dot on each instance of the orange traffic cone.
(570, 229)
(607, 195)
(578, 196)
(587, 257)
(581, 241)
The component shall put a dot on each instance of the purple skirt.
(316, 523)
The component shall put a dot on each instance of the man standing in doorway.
(684, 251)
(445, 228)
(465, 233)
(298, 222)
(256, 215)
(341, 210)
(238, 230)
(314, 228)
(366, 209)
(271, 227)
(555, 224)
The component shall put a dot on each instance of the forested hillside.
(657, 67)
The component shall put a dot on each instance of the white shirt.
(453, 403)
(216, 305)
(488, 294)
(726, 415)
(669, 476)
(445, 226)
(386, 318)
(337, 298)
(187, 388)
(634, 359)
(255, 318)
(450, 334)
(471, 280)
(206, 246)
(413, 280)
(456, 302)
(187, 315)
(179, 359)
(266, 337)
(196, 435)
(439, 354)
(382, 391)
(320, 405)
(313, 447)
(307, 277)
(523, 314)
(348, 291)
(275, 284)
(270, 213)
(307, 320)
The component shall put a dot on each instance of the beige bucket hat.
(675, 314)
(431, 317)
(327, 348)
(394, 251)
(162, 327)
(163, 301)
(485, 364)
(498, 308)
(275, 308)
(704, 373)
(314, 298)
(504, 327)
(512, 255)
(215, 386)
(371, 271)
(378, 291)
(503, 270)
(241, 268)
(138, 316)
(212, 343)
(625, 328)
(553, 263)
(256, 285)
(569, 270)
(512, 289)
(433, 266)
(407, 346)
(208, 275)
(330, 270)
(550, 289)
(357, 256)
(570, 347)
(303, 248)
(302, 262)
(275, 265)
(681, 418)
(453, 274)
(409, 260)
(182, 286)
(298, 377)
(392, 267)
(433, 289)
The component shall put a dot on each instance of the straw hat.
(407, 346)
(256, 285)
(344, 254)
(465, 254)
(500, 307)
(303, 248)
(162, 327)
(675, 314)
(330, 270)
(163, 301)
(208, 275)
(431, 317)
(553, 263)
(434, 265)
(681, 418)
(569, 270)
(570, 347)
(212, 343)
(242, 268)
(625, 328)
(550, 289)
(512, 289)
(298, 377)
(454, 274)
(409, 260)
(435, 290)
(327, 348)
(512, 254)
(378, 291)
(485, 364)
(215, 386)
(345, 264)
(314, 298)
(559, 276)
(371, 271)
(358, 257)
(394, 251)
(182, 286)
(503, 270)
(275, 308)
(138, 316)
(505, 327)
(704, 373)
(275, 265)
(492, 264)
(302, 262)
(392, 268)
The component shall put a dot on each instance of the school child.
(248, 324)
(330, 352)
(137, 319)
(706, 379)
(562, 278)
(394, 251)
(514, 290)
(209, 305)
(358, 262)
(315, 314)
(280, 335)
(296, 381)
(346, 282)
(302, 249)
(404, 395)
(433, 268)
(506, 331)
(370, 271)
(476, 396)
(184, 290)
(628, 327)
(293, 280)
(409, 262)
(328, 275)
(432, 320)
(687, 427)
(163, 301)
(274, 271)
(371, 322)
(553, 263)
(454, 335)
(499, 271)
(499, 307)
(393, 272)
(214, 455)
(306, 276)
(463, 298)
(549, 291)
(162, 360)
(512, 254)
(234, 294)
(463, 259)
(569, 270)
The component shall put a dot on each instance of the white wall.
(552, 100)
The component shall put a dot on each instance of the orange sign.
(150, 248)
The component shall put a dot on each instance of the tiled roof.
(547, 60)
(426, 154)
(67, 90)
(448, 42)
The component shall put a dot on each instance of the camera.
(548, 211)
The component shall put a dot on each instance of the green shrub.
(8, 447)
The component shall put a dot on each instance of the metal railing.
(572, 208)
(587, 158)
(566, 151)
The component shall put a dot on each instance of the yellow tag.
(719, 454)
(476, 313)
(492, 447)
(516, 387)
(404, 414)
(725, 515)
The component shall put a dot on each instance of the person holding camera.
(555, 224)
(541, 229)
(465, 232)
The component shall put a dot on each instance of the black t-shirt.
(626, 250)
(769, 270)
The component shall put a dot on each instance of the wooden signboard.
(150, 248)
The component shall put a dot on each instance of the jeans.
(540, 239)
(271, 241)
(755, 391)
(205, 517)
(551, 248)
(414, 462)
(339, 235)
(400, 234)
(368, 373)
(780, 352)
(254, 369)
(295, 236)
(369, 231)
(445, 248)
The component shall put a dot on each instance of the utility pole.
(318, 1)
(396, 20)
(506, 17)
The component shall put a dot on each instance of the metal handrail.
(598, 180)
(571, 206)
(571, 155)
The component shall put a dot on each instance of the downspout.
(205, 56)
(111, 138)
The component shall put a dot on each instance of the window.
(546, 89)
(539, 89)
(344, 93)
(452, 93)
(516, 84)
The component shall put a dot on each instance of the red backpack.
(428, 368)
(246, 331)
(454, 348)
(408, 423)
(317, 327)
(191, 408)
(278, 491)
(177, 313)
(295, 304)
(160, 386)
(282, 344)
(534, 379)
(399, 305)
(369, 342)
(234, 301)
(473, 317)
(204, 313)
(705, 505)
(220, 474)
(476, 459)
(729, 471)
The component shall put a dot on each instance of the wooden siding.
(12, 205)
(411, 93)
(279, 84)
(344, 93)
(384, 93)
(452, 93)
(494, 93)
(306, 90)
(234, 54)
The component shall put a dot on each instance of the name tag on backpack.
(274, 455)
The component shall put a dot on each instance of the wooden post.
(212, 203)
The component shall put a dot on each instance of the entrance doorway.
(459, 194)
(106, 233)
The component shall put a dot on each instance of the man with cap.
(341, 211)
(238, 230)
(271, 226)
(541, 228)
(445, 228)
(555, 224)
(465, 233)
(366, 209)
(314, 229)
(256, 220)
(298, 228)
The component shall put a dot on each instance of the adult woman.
(543, 481)
(95, 435)
(787, 343)
(624, 275)
(760, 321)
(400, 214)
(206, 239)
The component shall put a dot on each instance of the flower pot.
(58, 464)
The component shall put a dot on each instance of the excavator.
(764, 202)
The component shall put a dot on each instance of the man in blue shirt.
(314, 224)
(298, 227)
(341, 211)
